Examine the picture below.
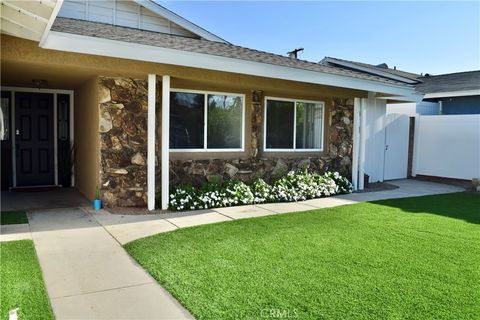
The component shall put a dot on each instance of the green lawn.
(412, 258)
(21, 284)
(13, 217)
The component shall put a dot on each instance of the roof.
(460, 81)
(203, 46)
(381, 69)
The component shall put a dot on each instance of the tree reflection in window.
(224, 124)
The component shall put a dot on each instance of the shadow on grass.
(13, 217)
(462, 205)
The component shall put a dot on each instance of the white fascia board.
(169, 15)
(462, 93)
(371, 70)
(126, 50)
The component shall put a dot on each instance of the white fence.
(447, 146)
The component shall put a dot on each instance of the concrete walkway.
(88, 275)
(126, 228)
(11, 232)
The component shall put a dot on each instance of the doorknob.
(17, 132)
(386, 147)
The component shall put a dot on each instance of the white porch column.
(152, 81)
(362, 145)
(356, 142)
(165, 140)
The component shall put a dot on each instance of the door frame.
(55, 92)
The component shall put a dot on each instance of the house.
(444, 94)
(132, 98)
(454, 93)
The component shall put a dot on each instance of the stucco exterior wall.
(87, 155)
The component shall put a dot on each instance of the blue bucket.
(97, 204)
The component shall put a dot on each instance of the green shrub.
(262, 191)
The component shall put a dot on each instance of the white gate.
(397, 128)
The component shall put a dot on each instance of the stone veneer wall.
(123, 143)
(338, 155)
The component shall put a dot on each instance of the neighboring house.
(132, 98)
(445, 94)
(453, 93)
(449, 115)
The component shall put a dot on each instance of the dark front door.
(34, 139)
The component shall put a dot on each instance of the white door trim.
(12, 131)
(55, 137)
(55, 92)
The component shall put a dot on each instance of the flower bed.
(292, 187)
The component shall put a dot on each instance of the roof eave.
(127, 50)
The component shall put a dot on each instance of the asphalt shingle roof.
(111, 32)
(459, 81)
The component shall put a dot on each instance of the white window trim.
(205, 110)
(265, 149)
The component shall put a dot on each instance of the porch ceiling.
(21, 74)
(29, 19)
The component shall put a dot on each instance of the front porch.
(26, 201)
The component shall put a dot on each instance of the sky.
(423, 37)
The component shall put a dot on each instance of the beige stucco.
(87, 144)
(22, 59)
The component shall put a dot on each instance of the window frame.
(294, 149)
(205, 124)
